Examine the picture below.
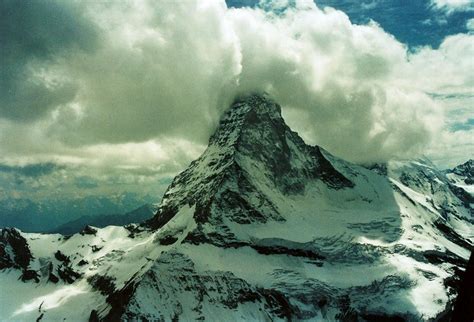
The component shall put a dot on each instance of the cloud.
(447, 70)
(132, 85)
(34, 36)
(49, 181)
(161, 71)
(85, 182)
(470, 25)
(31, 170)
(451, 6)
(339, 83)
(453, 148)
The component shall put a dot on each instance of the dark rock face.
(15, 253)
(451, 235)
(14, 249)
(96, 248)
(174, 274)
(272, 250)
(68, 274)
(94, 317)
(61, 257)
(265, 138)
(437, 257)
(278, 304)
(105, 284)
(465, 170)
(465, 197)
(53, 278)
(64, 270)
(29, 274)
(119, 300)
(168, 240)
(88, 230)
(464, 305)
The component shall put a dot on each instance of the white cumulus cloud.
(160, 75)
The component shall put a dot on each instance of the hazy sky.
(133, 89)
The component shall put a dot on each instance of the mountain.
(463, 174)
(261, 227)
(135, 216)
(44, 215)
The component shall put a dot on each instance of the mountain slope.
(463, 175)
(260, 227)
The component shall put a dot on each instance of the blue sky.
(416, 23)
(413, 22)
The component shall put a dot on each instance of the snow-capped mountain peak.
(252, 138)
(464, 172)
(261, 227)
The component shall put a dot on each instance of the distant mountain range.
(48, 215)
(138, 215)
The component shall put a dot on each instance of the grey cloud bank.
(133, 85)
(33, 35)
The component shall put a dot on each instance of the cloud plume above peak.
(135, 72)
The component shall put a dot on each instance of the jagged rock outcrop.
(15, 253)
(465, 171)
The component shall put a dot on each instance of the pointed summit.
(464, 172)
(243, 112)
(252, 148)
(465, 169)
(260, 103)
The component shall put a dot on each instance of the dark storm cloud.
(31, 170)
(34, 34)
